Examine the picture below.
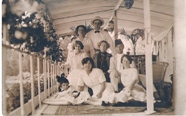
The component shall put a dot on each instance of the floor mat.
(88, 109)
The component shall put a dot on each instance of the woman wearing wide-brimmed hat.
(96, 35)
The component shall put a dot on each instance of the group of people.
(98, 62)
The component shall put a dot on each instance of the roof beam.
(80, 12)
(104, 15)
(61, 8)
(115, 8)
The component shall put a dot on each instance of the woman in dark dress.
(102, 58)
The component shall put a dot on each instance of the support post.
(148, 58)
(115, 25)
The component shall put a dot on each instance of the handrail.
(16, 49)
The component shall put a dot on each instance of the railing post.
(44, 71)
(59, 69)
(38, 79)
(54, 78)
(48, 72)
(4, 100)
(4, 50)
(32, 84)
(21, 85)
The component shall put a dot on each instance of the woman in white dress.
(95, 79)
(88, 47)
(129, 78)
(74, 60)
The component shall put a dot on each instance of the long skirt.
(108, 94)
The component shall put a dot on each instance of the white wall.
(180, 57)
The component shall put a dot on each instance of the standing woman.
(129, 78)
(102, 58)
(74, 60)
(88, 47)
(95, 79)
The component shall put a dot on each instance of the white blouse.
(75, 59)
(128, 76)
(93, 79)
(97, 37)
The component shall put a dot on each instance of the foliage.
(13, 99)
(31, 30)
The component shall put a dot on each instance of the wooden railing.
(50, 70)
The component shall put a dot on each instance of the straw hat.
(97, 18)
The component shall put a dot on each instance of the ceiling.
(68, 13)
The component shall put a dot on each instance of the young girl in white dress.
(74, 61)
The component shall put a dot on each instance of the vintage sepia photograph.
(93, 57)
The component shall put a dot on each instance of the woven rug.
(88, 109)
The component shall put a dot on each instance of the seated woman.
(102, 59)
(74, 60)
(88, 47)
(95, 79)
(129, 79)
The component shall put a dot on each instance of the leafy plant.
(31, 30)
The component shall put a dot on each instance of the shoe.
(105, 104)
(156, 96)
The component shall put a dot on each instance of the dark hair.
(61, 79)
(78, 42)
(85, 60)
(128, 57)
(111, 21)
(84, 28)
(107, 44)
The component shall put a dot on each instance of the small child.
(68, 93)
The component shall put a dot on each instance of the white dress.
(76, 66)
(66, 97)
(94, 80)
(127, 77)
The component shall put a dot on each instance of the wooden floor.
(85, 110)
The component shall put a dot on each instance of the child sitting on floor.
(66, 92)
